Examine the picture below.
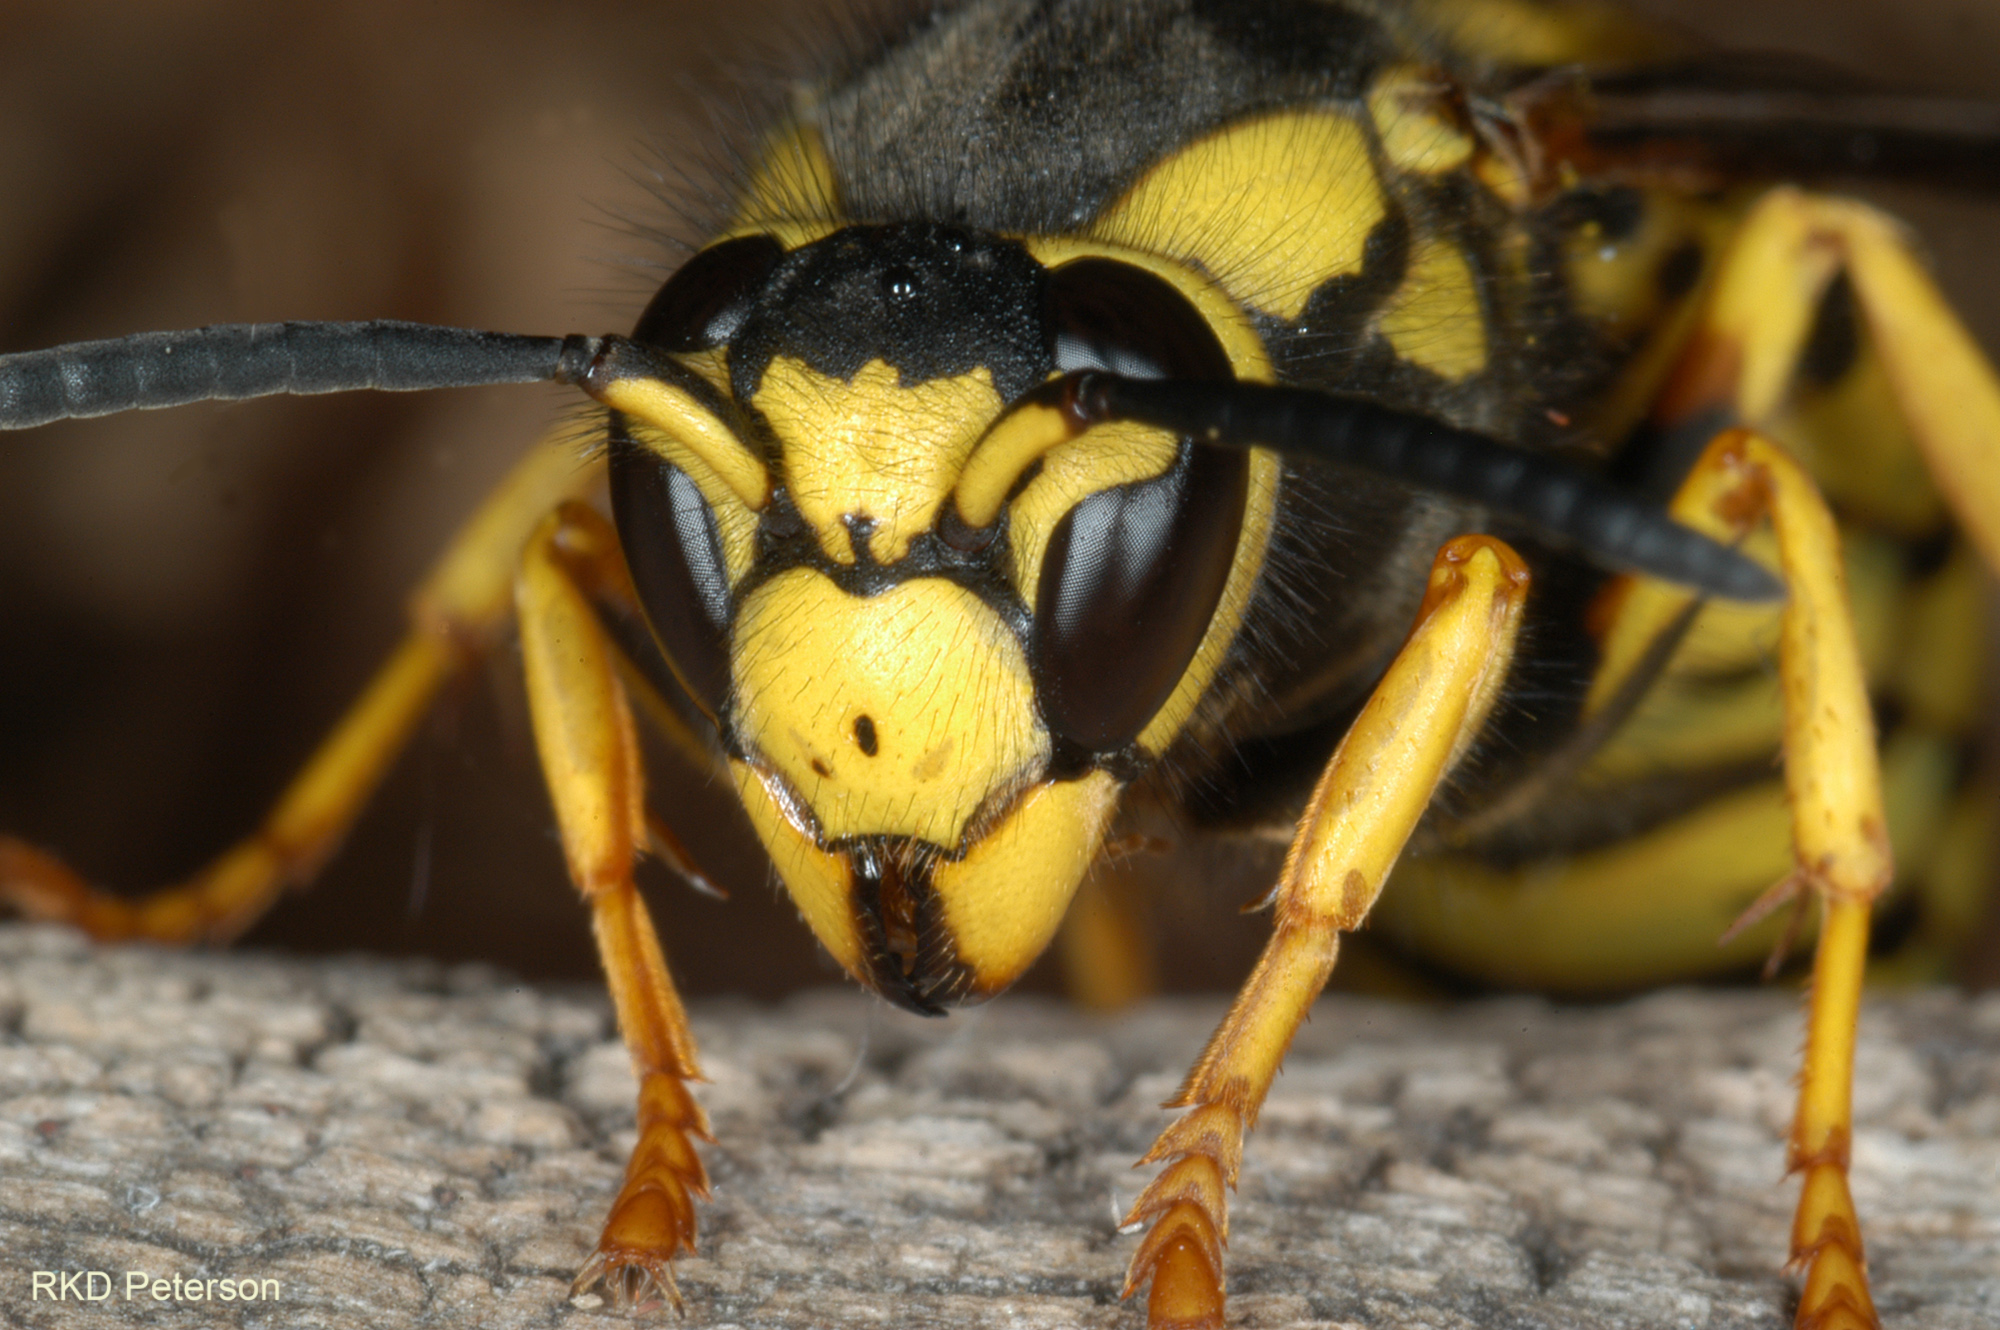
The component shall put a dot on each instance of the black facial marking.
(931, 301)
(978, 561)
(864, 734)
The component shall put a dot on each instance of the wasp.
(1425, 426)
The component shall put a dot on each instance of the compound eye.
(674, 552)
(705, 302)
(1107, 315)
(1133, 574)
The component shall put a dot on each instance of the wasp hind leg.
(1421, 717)
(1740, 364)
(1839, 838)
(589, 751)
(459, 610)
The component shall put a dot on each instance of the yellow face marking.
(687, 434)
(1274, 207)
(819, 882)
(1417, 129)
(1003, 455)
(872, 448)
(898, 714)
(792, 194)
(1003, 901)
(1434, 319)
(1113, 454)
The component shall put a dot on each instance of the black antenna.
(232, 361)
(1576, 507)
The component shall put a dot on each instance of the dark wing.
(1731, 116)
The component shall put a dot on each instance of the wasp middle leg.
(459, 611)
(589, 749)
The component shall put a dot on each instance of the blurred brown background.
(187, 599)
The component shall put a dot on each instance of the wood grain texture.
(401, 1143)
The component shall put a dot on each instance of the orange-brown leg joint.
(1838, 832)
(463, 606)
(589, 752)
(1421, 717)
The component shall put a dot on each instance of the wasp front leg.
(1420, 719)
(589, 752)
(460, 609)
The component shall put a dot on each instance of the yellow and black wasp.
(1419, 422)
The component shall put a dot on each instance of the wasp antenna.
(233, 361)
(1574, 506)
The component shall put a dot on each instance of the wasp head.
(934, 659)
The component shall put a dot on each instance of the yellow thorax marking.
(1434, 319)
(924, 674)
(1418, 132)
(873, 448)
(1274, 207)
(792, 194)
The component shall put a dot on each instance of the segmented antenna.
(1578, 508)
(233, 361)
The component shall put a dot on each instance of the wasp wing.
(1721, 117)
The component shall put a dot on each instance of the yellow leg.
(461, 608)
(1422, 715)
(589, 751)
(1839, 837)
(1107, 958)
(1758, 317)
(1789, 248)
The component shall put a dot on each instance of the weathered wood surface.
(400, 1144)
